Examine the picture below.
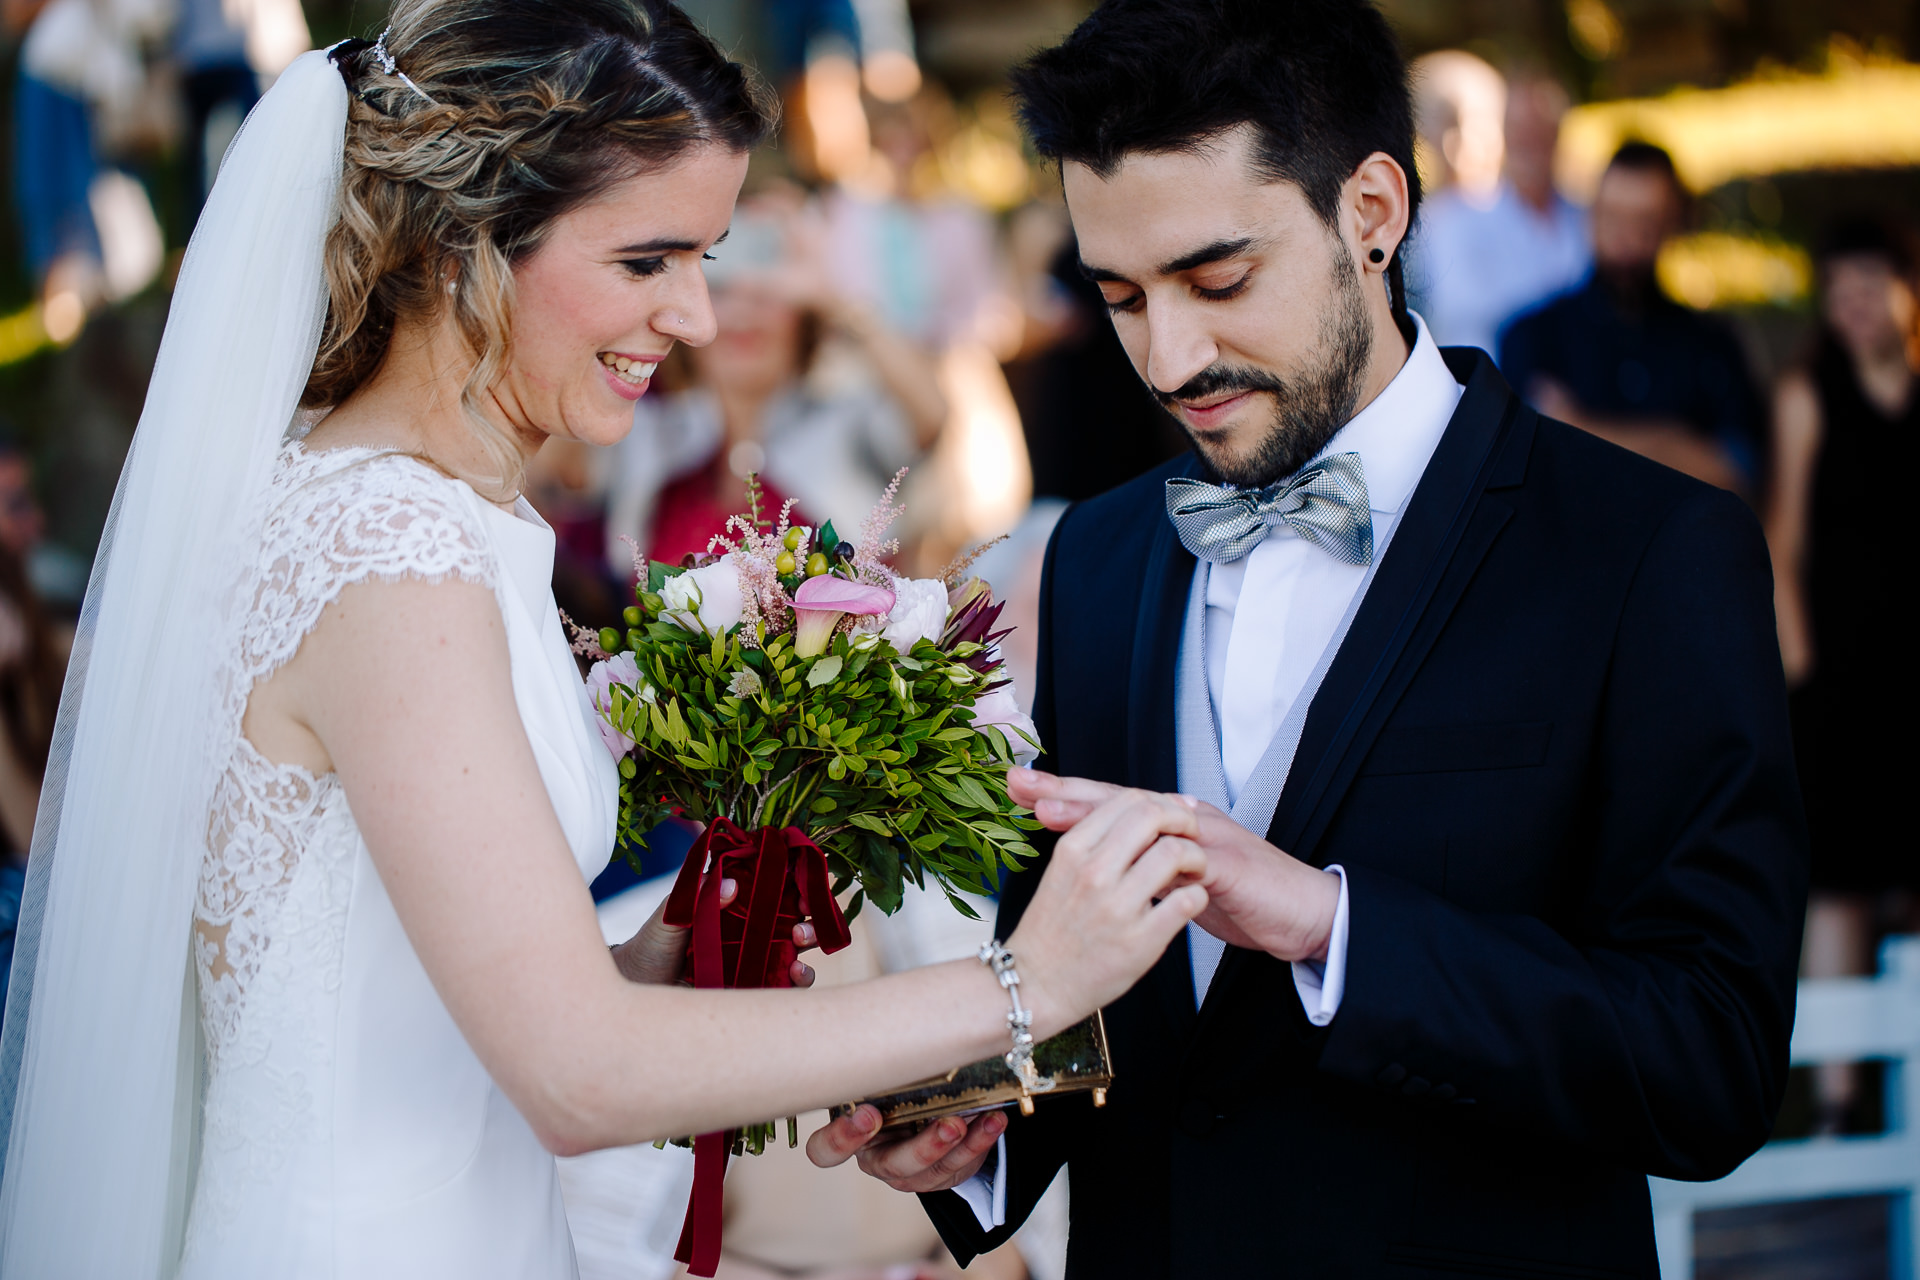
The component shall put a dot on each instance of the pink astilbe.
(585, 643)
(639, 559)
(956, 567)
(871, 552)
(763, 599)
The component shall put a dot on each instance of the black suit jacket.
(1552, 755)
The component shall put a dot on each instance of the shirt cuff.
(1322, 984)
(986, 1191)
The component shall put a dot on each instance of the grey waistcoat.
(1197, 733)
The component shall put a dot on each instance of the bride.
(309, 982)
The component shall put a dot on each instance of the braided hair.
(487, 120)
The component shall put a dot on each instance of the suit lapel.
(1448, 528)
(1152, 758)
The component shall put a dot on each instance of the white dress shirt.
(1270, 617)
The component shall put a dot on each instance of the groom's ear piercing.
(1376, 256)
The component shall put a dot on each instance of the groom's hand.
(1257, 896)
(938, 1158)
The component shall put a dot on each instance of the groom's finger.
(1057, 802)
(836, 1142)
(944, 1154)
(1024, 785)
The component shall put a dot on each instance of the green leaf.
(826, 541)
(824, 670)
(973, 792)
(959, 904)
(883, 881)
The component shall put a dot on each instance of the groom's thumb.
(839, 1141)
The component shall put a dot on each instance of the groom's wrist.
(1329, 884)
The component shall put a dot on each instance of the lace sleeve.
(375, 517)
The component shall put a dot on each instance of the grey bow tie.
(1326, 504)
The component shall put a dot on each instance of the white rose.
(706, 598)
(919, 613)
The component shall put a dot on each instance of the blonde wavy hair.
(493, 118)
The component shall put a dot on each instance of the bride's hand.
(658, 953)
(1119, 887)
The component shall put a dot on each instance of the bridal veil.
(100, 1057)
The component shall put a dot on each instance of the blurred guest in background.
(227, 50)
(1843, 574)
(901, 242)
(58, 577)
(566, 484)
(32, 666)
(758, 403)
(53, 143)
(1090, 423)
(1483, 258)
(220, 88)
(1623, 360)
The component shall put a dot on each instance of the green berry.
(632, 615)
(609, 639)
(793, 539)
(816, 565)
(633, 639)
(783, 564)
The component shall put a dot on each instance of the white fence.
(1840, 1019)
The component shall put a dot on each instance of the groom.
(1505, 850)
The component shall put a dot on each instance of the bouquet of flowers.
(834, 725)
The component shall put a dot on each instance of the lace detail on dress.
(270, 913)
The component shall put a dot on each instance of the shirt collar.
(1397, 432)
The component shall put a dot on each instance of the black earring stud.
(1376, 256)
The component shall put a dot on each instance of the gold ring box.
(1075, 1061)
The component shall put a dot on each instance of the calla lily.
(820, 601)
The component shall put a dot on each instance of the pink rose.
(1002, 708)
(623, 670)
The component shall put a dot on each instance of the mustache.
(1216, 379)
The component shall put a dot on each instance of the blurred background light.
(1860, 112)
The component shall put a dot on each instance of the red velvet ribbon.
(782, 881)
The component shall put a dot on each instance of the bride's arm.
(407, 688)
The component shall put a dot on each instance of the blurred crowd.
(888, 298)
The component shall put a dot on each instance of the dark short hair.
(1322, 82)
(1866, 237)
(1638, 156)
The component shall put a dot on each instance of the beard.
(1308, 407)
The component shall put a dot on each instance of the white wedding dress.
(349, 1131)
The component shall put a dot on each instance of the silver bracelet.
(1019, 1058)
